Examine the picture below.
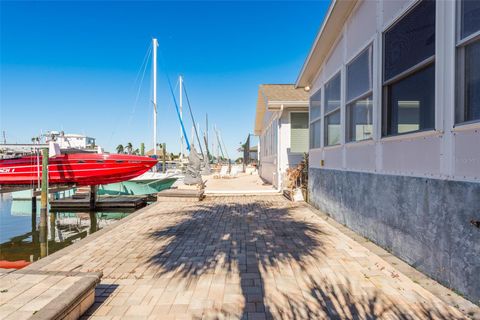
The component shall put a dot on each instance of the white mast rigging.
(155, 45)
(180, 84)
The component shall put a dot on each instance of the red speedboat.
(81, 169)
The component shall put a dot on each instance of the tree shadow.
(263, 244)
(341, 299)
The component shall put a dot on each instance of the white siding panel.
(333, 157)
(392, 8)
(361, 156)
(416, 156)
(361, 28)
(334, 61)
(314, 158)
(268, 167)
(467, 154)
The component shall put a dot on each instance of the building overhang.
(282, 105)
(332, 25)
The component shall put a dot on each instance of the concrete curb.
(72, 304)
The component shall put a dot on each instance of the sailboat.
(151, 181)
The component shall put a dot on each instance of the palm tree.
(136, 152)
(129, 148)
(120, 148)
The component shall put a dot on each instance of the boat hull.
(81, 169)
(135, 188)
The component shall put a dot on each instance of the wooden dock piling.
(44, 204)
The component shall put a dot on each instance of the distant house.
(395, 130)
(281, 122)
(74, 141)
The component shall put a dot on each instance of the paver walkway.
(243, 257)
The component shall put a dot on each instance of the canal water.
(19, 232)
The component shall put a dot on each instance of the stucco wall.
(424, 221)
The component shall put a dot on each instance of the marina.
(194, 259)
(249, 160)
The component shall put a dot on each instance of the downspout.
(279, 154)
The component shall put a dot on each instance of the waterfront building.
(71, 141)
(281, 122)
(395, 130)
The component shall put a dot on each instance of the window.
(359, 96)
(315, 119)
(299, 132)
(332, 111)
(269, 140)
(409, 72)
(468, 62)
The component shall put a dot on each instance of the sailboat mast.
(180, 85)
(155, 45)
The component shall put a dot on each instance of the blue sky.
(74, 66)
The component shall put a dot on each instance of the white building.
(73, 141)
(395, 130)
(281, 122)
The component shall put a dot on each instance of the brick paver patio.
(243, 258)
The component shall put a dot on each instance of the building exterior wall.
(414, 193)
(268, 155)
(273, 167)
(287, 158)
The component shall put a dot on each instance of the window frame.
(460, 45)
(326, 114)
(315, 120)
(308, 129)
(386, 83)
(349, 103)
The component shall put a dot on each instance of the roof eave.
(337, 14)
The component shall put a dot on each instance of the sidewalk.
(242, 184)
(242, 257)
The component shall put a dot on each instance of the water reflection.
(19, 228)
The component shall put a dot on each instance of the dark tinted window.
(359, 75)
(315, 134)
(332, 94)
(472, 82)
(359, 117)
(315, 105)
(411, 102)
(470, 19)
(332, 129)
(411, 40)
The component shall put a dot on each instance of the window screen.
(332, 94)
(315, 103)
(470, 17)
(411, 40)
(359, 75)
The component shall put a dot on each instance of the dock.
(103, 202)
(244, 257)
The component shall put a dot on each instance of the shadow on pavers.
(102, 292)
(251, 238)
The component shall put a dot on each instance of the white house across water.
(281, 122)
(394, 90)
